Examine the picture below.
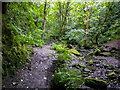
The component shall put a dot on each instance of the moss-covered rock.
(117, 56)
(112, 75)
(95, 83)
(90, 53)
(81, 65)
(110, 67)
(75, 52)
(78, 66)
(91, 62)
(81, 58)
(86, 71)
(105, 54)
(96, 52)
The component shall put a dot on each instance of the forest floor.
(39, 72)
(100, 66)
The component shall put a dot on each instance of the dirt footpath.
(36, 74)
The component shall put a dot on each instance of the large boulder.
(95, 83)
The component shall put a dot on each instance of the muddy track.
(36, 74)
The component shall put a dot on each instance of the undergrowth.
(67, 78)
(14, 53)
(63, 77)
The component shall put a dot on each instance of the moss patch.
(81, 58)
(105, 54)
(90, 53)
(95, 83)
(96, 52)
(110, 67)
(91, 62)
(75, 52)
(78, 66)
(112, 75)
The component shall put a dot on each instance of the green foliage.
(75, 36)
(103, 23)
(33, 38)
(71, 22)
(74, 22)
(15, 54)
(62, 53)
(65, 78)
(105, 28)
(25, 22)
(59, 48)
(64, 57)
(20, 33)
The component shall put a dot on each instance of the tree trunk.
(44, 19)
(64, 21)
(86, 31)
(60, 18)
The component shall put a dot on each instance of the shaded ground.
(39, 72)
(36, 74)
(115, 43)
(100, 66)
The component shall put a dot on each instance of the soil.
(36, 74)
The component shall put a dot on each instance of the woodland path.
(36, 74)
(39, 72)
